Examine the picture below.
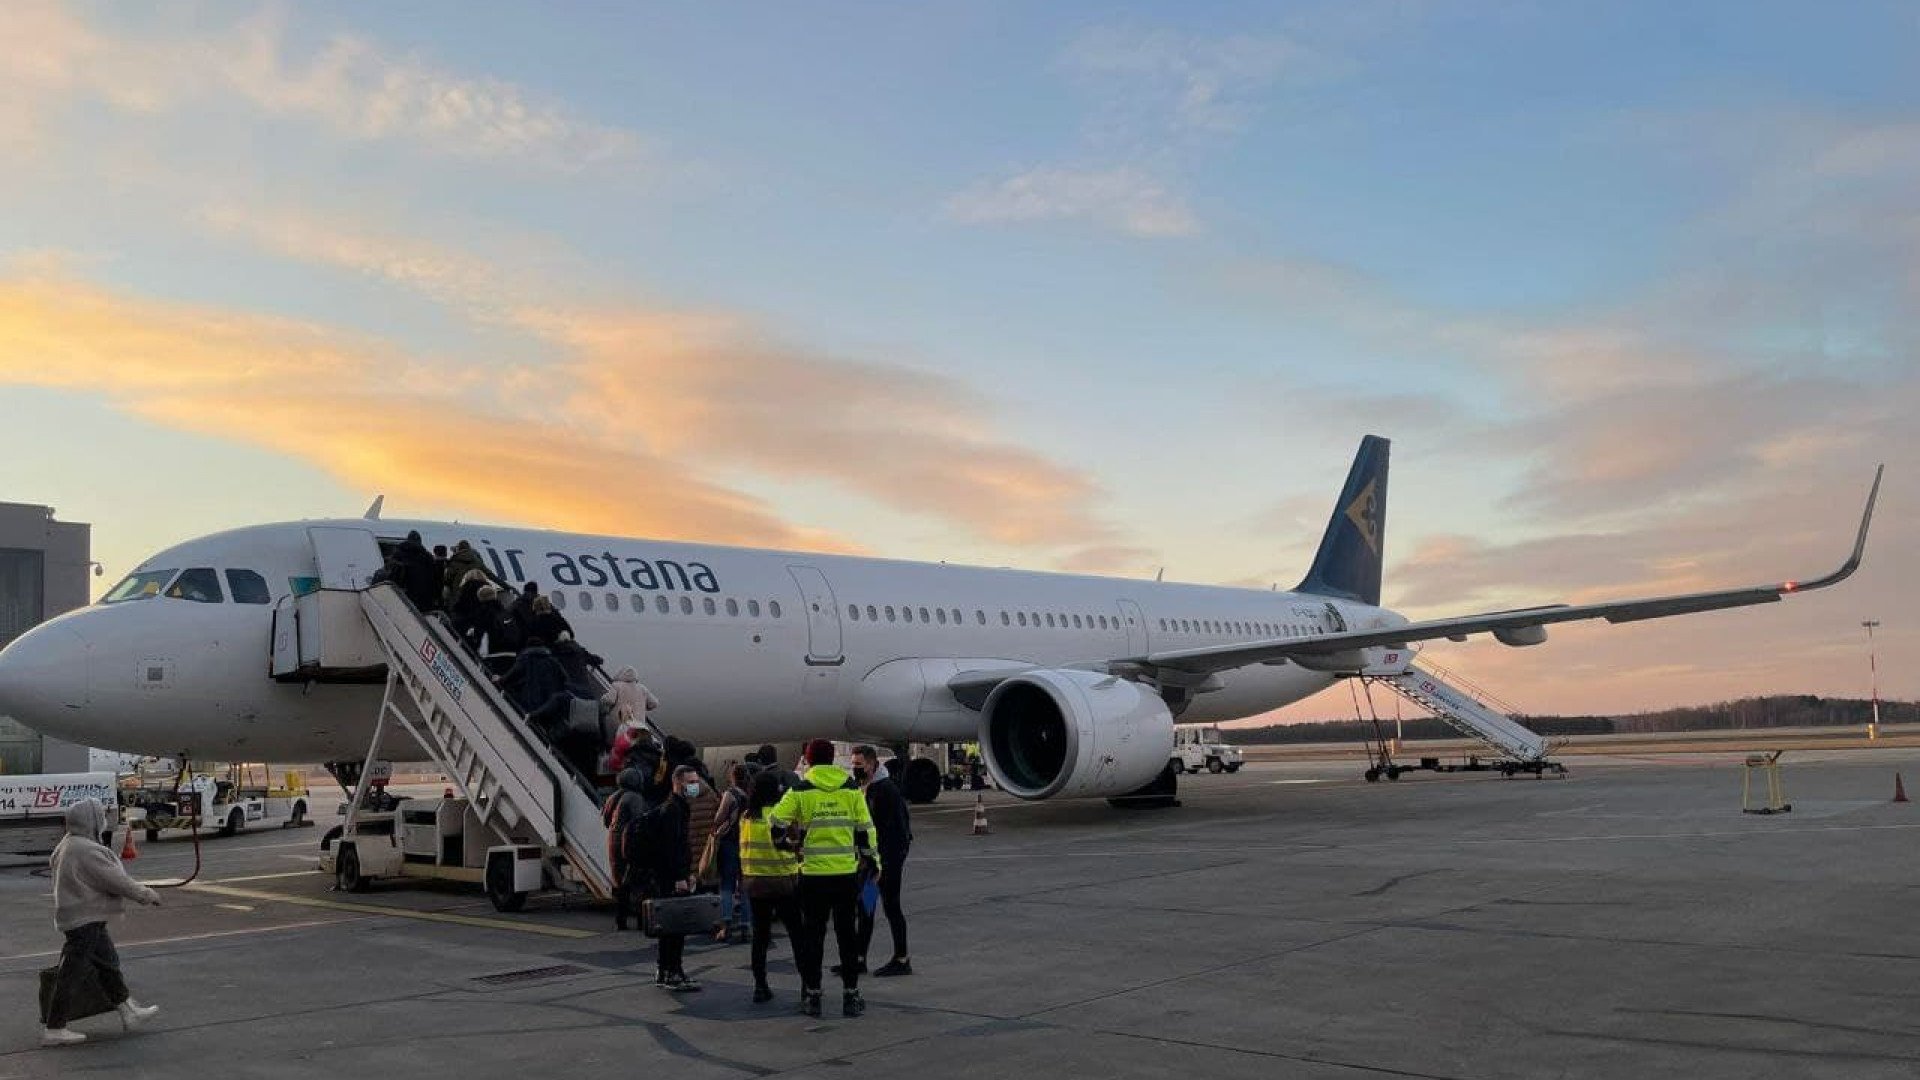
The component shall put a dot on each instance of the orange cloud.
(372, 417)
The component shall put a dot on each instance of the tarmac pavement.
(1288, 921)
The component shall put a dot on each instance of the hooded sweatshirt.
(89, 884)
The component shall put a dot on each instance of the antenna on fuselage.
(373, 511)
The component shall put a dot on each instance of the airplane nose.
(43, 676)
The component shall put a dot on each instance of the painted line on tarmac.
(395, 913)
(1279, 782)
(262, 877)
(1766, 833)
(198, 937)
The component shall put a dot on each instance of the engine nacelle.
(1059, 732)
(1521, 635)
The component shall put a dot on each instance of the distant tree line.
(1786, 710)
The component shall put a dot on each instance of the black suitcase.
(680, 914)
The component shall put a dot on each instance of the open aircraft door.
(345, 558)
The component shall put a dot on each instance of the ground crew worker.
(827, 823)
(771, 878)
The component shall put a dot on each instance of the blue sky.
(1091, 286)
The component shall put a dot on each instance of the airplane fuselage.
(739, 645)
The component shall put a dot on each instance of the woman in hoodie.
(89, 888)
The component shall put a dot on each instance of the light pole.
(1873, 674)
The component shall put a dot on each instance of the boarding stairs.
(1469, 714)
(516, 784)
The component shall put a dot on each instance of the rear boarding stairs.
(1472, 713)
(523, 820)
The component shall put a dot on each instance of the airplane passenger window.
(979, 616)
(1023, 618)
(1049, 620)
(753, 608)
(873, 614)
(248, 587)
(707, 606)
(773, 608)
(1163, 624)
(1005, 619)
(686, 605)
(200, 585)
(143, 586)
(1076, 622)
(660, 605)
(889, 613)
(586, 600)
(923, 615)
(733, 607)
(853, 612)
(906, 614)
(613, 602)
(639, 604)
(956, 617)
(942, 613)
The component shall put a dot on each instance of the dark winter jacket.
(413, 569)
(892, 825)
(463, 559)
(534, 678)
(624, 815)
(667, 861)
(547, 624)
(579, 665)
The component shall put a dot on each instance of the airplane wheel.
(1373, 776)
(233, 822)
(346, 871)
(1393, 774)
(1234, 767)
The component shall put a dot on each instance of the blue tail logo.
(1347, 566)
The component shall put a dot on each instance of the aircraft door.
(1136, 628)
(823, 617)
(345, 558)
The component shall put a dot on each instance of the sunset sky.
(1634, 289)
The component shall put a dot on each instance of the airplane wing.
(1190, 665)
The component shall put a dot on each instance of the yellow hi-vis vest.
(758, 856)
(830, 815)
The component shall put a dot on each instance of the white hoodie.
(89, 884)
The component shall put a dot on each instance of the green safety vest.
(758, 856)
(830, 815)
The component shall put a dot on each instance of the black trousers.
(87, 957)
(828, 898)
(672, 948)
(890, 903)
(765, 910)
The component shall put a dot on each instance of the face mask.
(859, 776)
(693, 791)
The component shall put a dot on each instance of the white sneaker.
(133, 1014)
(60, 1037)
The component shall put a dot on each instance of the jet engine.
(1052, 732)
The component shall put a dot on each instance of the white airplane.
(1071, 684)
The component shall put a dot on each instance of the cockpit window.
(248, 587)
(200, 584)
(141, 586)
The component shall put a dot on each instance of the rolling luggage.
(680, 914)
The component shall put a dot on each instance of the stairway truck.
(444, 840)
(1198, 747)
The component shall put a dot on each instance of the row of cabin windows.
(955, 617)
(1227, 626)
(664, 605)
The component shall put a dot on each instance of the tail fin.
(1348, 562)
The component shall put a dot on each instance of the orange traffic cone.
(128, 852)
(980, 815)
(1899, 789)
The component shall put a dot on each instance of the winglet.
(1859, 546)
(373, 511)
